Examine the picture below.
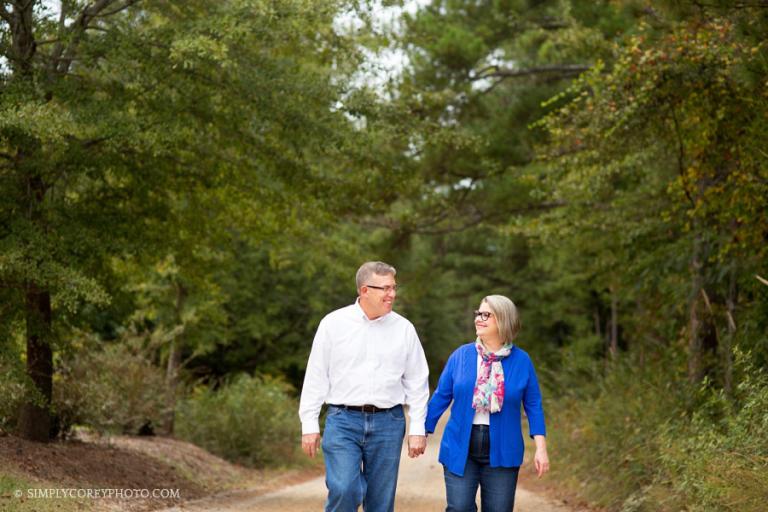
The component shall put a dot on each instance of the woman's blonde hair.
(507, 319)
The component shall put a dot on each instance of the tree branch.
(79, 27)
(128, 4)
(4, 14)
(21, 43)
(82, 24)
(681, 156)
(429, 228)
(735, 5)
(563, 70)
(25, 5)
(47, 41)
(551, 23)
(59, 46)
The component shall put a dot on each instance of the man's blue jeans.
(497, 485)
(362, 455)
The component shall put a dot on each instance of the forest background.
(186, 188)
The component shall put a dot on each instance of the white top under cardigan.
(481, 418)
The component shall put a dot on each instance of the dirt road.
(420, 488)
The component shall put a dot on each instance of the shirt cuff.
(310, 427)
(416, 429)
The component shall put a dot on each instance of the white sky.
(382, 66)
(387, 63)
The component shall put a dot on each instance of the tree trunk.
(598, 330)
(613, 348)
(727, 348)
(34, 417)
(23, 46)
(174, 364)
(695, 368)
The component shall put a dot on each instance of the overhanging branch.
(429, 227)
(116, 10)
(560, 70)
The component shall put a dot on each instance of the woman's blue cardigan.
(457, 384)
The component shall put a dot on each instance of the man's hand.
(416, 445)
(310, 444)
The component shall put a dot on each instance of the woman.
(487, 381)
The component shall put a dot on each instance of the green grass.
(17, 495)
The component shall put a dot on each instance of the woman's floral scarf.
(489, 387)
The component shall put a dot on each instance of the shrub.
(605, 443)
(720, 461)
(12, 392)
(250, 420)
(647, 441)
(113, 389)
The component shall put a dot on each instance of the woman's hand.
(541, 459)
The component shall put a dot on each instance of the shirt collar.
(361, 314)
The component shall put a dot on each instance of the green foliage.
(628, 203)
(720, 461)
(209, 176)
(480, 72)
(140, 144)
(683, 101)
(176, 301)
(250, 420)
(112, 388)
(12, 391)
(609, 432)
(633, 429)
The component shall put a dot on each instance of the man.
(366, 361)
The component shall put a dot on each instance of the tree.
(127, 125)
(479, 78)
(671, 129)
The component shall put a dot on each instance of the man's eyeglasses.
(484, 315)
(386, 289)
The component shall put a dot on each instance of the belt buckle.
(369, 408)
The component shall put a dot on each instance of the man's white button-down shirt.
(357, 361)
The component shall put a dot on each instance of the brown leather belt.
(362, 408)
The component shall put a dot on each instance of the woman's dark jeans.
(497, 485)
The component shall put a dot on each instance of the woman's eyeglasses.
(484, 315)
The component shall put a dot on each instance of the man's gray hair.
(369, 268)
(507, 318)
